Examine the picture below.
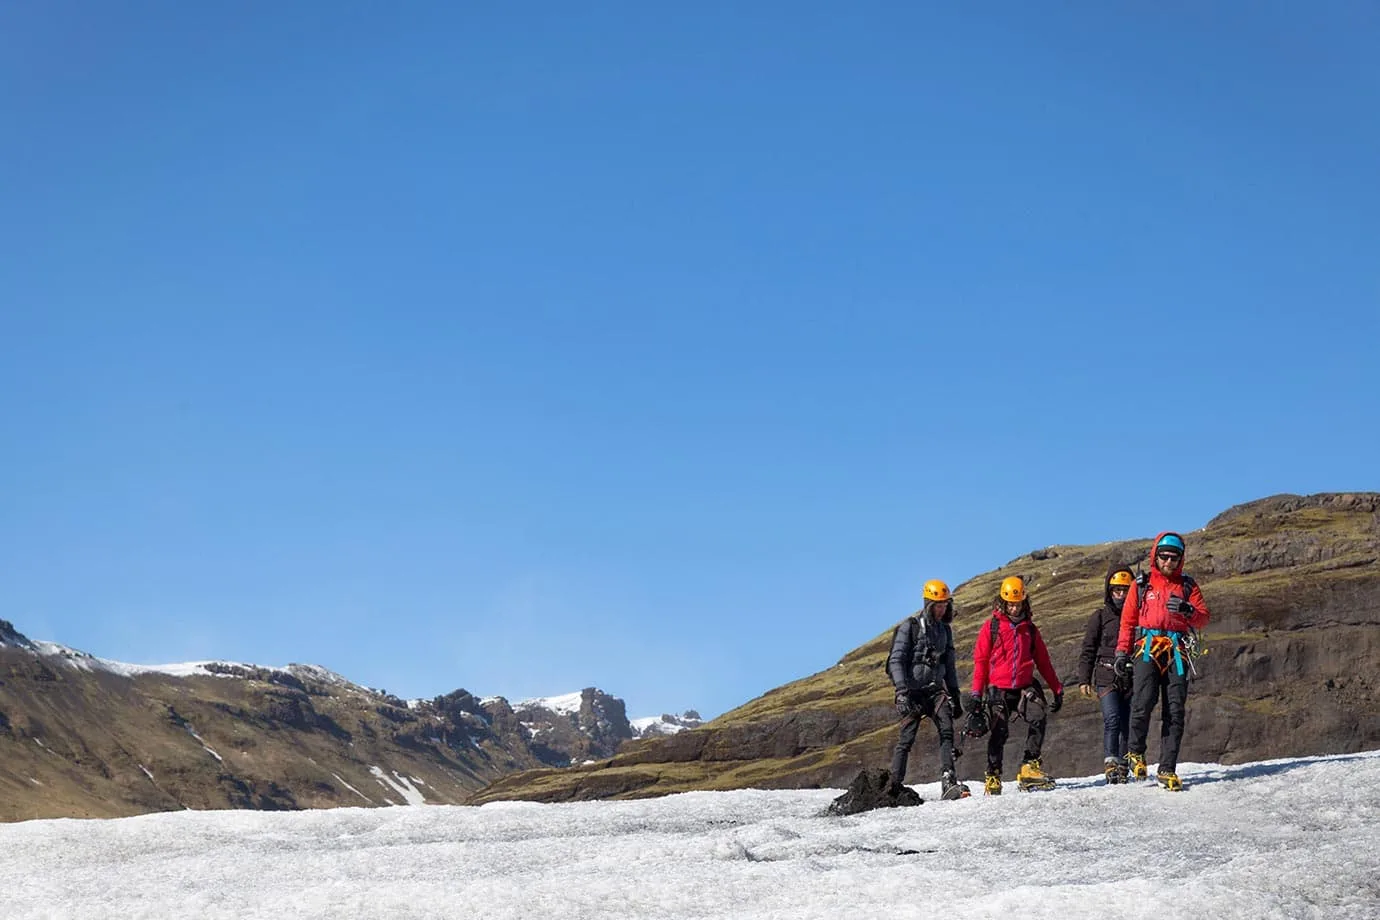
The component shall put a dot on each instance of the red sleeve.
(982, 652)
(1130, 619)
(1045, 665)
(1200, 611)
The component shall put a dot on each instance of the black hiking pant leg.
(1172, 726)
(1035, 739)
(1001, 704)
(909, 726)
(1145, 693)
(937, 708)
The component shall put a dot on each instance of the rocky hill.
(84, 737)
(1293, 583)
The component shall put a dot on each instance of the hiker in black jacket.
(1096, 676)
(921, 667)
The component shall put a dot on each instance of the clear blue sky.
(667, 348)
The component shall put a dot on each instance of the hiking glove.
(904, 706)
(1180, 606)
(1058, 703)
(955, 707)
(1122, 666)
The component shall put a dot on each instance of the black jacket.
(1099, 640)
(922, 655)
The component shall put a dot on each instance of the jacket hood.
(1153, 546)
(948, 617)
(1107, 583)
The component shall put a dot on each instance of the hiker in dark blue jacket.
(921, 667)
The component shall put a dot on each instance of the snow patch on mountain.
(665, 724)
(567, 704)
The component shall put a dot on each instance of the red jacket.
(1153, 611)
(1010, 662)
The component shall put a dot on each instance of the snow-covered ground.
(1283, 839)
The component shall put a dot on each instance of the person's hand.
(904, 706)
(1058, 703)
(1180, 606)
(1085, 691)
(955, 707)
(1122, 665)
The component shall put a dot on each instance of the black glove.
(1181, 606)
(905, 707)
(1122, 665)
(955, 707)
(1058, 703)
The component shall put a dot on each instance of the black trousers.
(933, 703)
(1002, 706)
(1149, 686)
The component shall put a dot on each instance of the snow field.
(1284, 839)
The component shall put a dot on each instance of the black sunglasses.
(1167, 556)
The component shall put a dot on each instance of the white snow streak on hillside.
(398, 784)
(1288, 839)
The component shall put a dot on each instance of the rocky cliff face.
(1293, 583)
(574, 728)
(83, 737)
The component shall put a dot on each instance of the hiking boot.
(1032, 777)
(991, 784)
(1135, 765)
(1113, 772)
(1170, 781)
(951, 788)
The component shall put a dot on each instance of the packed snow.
(1290, 838)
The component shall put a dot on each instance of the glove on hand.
(1180, 606)
(955, 707)
(1122, 665)
(904, 706)
(1085, 690)
(1058, 703)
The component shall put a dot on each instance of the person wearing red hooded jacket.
(1157, 616)
(1008, 650)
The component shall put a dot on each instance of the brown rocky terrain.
(1293, 584)
(80, 737)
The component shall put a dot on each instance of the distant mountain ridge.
(1293, 583)
(82, 735)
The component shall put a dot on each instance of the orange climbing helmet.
(936, 590)
(1012, 589)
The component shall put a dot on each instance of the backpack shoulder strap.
(993, 630)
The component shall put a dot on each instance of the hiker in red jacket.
(1160, 612)
(1008, 650)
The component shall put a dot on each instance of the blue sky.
(664, 348)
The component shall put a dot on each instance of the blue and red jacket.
(1010, 662)
(1152, 611)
